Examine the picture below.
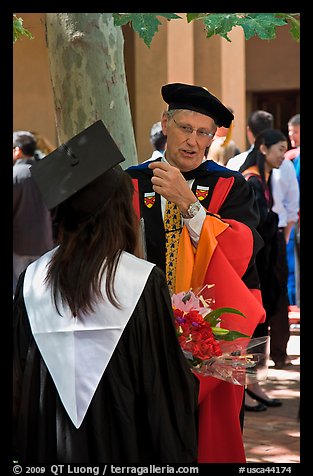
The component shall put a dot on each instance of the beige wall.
(273, 65)
(180, 51)
(233, 74)
(33, 107)
(164, 62)
(150, 71)
(220, 66)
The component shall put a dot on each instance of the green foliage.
(213, 317)
(294, 24)
(145, 24)
(263, 25)
(260, 24)
(19, 30)
(227, 336)
(195, 16)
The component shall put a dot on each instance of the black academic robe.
(239, 205)
(266, 261)
(233, 271)
(144, 409)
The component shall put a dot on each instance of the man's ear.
(164, 122)
(17, 153)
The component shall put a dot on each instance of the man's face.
(188, 134)
(294, 135)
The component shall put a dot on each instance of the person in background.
(220, 151)
(294, 137)
(293, 246)
(228, 133)
(211, 240)
(223, 147)
(266, 155)
(32, 224)
(257, 121)
(43, 146)
(285, 203)
(285, 191)
(158, 140)
(99, 375)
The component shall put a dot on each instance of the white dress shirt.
(285, 190)
(236, 162)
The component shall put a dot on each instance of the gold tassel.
(228, 135)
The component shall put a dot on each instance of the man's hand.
(170, 183)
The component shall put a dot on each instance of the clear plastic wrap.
(212, 350)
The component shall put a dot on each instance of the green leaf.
(213, 317)
(220, 24)
(145, 24)
(121, 19)
(231, 335)
(195, 16)
(294, 25)
(260, 24)
(19, 30)
(219, 331)
(187, 297)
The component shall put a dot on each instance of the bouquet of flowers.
(212, 350)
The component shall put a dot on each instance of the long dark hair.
(89, 247)
(268, 137)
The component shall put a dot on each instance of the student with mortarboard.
(217, 216)
(99, 376)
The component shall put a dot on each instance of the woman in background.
(267, 154)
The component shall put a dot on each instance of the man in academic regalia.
(99, 376)
(217, 242)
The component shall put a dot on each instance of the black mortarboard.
(196, 98)
(87, 164)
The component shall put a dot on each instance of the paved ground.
(274, 435)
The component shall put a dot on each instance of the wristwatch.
(192, 210)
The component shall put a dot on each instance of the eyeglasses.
(188, 130)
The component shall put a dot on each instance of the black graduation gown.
(235, 260)
(239, 205)
(266, 260)
(144, 409)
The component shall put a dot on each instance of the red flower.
(195, 334)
